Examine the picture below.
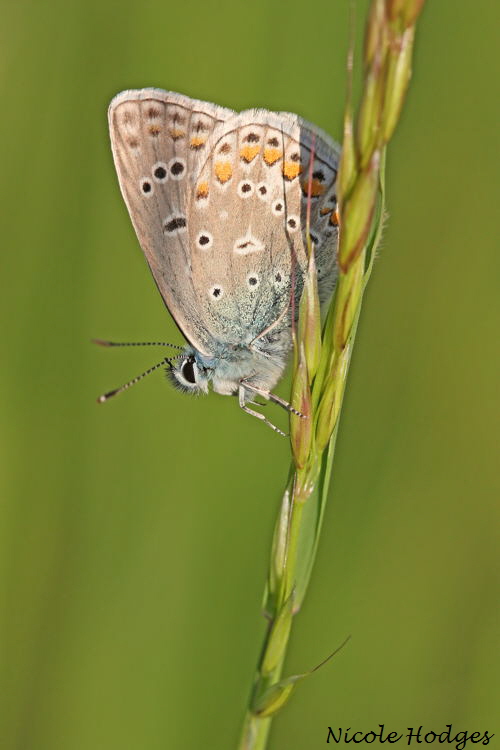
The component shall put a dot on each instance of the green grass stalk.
(321, 357)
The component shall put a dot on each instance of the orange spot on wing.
(176, 133)
(202, 191)
(272, 155)
(316, 187)
(223, 171)
(334, 218)
(248, 153)
(325, 210)
(291, 170)
(154, 129)
(197, 141)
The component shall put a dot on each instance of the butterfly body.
(219, 201)
(234, 365)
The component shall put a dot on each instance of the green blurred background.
(135, 536)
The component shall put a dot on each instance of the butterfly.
(218, 200)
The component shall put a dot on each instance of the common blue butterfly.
(218, 201)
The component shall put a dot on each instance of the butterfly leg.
(243, 405)
(273, 397)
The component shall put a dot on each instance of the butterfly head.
(188, 373)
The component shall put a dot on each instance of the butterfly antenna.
(108, 395)
(102, 342)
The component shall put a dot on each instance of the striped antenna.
(167, 361)
(102, 342)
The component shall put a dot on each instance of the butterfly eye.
(188, 371)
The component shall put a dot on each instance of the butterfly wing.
(247, 222)
(158, 140)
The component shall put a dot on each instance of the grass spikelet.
(322, 357)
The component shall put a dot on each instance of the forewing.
(159, 140)
(247, 222)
